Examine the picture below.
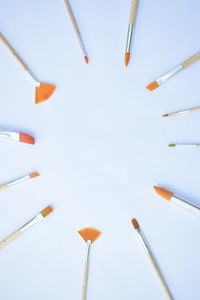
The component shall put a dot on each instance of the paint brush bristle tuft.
(127, 58)
(33, 175)
(171, 145)
(86, 59)
(152, 86)
(89, 234)
(166, 115)
(163, 192)
(43, 92)
(46, 211)
(25, 138)
(135, 223)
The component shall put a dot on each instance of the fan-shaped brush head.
(25, 138)
(89, 234)
(43, 92)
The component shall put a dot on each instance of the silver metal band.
(129, 37)
(10, 135)
(35, 81)
(80, 41)
(165, 77)
(36, 219)
(19, 180)
(143, 241)
(89, 244)
(186, 205)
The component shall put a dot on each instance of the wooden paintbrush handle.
(134, 6)
(85, 281)
(191, 60)
(10, 238)
(160, 276)
(13, 52)
(72, 17)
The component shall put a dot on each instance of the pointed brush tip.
(86, 59)
(127, 58)
(166, 115)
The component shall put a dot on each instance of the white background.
(100, 147)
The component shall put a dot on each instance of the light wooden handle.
(13, 52)
(85, 281)
(134, 6)
(160, 276)
(72, 17)
(10, 238)
(191, 60)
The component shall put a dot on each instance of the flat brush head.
(86, 59)
(152, 86)
(46, 211)
(163, 192)
(43, 92)
(33, 175)
(127, 58)
(135, 223)
(89, 234)
(25, 138)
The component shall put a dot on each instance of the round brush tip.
(135, 223)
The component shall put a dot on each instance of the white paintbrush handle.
(6, 43)
(191, 60)
(133, 12)
(72, 18)
(160, 276)
(85, 281)
(10, 238)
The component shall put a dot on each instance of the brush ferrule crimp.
(33, 77)
(165, 77)
(10, 135)
(80, 41)
(129, 37)
(36, 219)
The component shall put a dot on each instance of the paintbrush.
(21, 179)
(90, 235)
(45, 212)
(181, 112)
(76, 29)
(151, 258)
(185, 145)
(185, 204)
(180, 67)
(132, 18)
(17, 136)
(42, 90)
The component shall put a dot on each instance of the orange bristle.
(33, 175)
(127, 58)
(163, 193)
(154, 85)
(43, 92)
(25, 138)
(86, 59)
(166, 115)
(135, 223)
(46, 211)
(89, 234)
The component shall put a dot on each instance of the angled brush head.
(33, 175)
(127, 58)
(89, 234)
(152, 86)
(135, 223)
(46, 211)
(25, 138)
(43, 92)
(163, 192)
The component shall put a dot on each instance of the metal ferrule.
(33, 77)
(19, 180)
(182, 112)
(129, 37)
(89, 244)
(143, 241)
(165, 77)
(10, 135)
(36, 219)
(80, 41)
(192, 208)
